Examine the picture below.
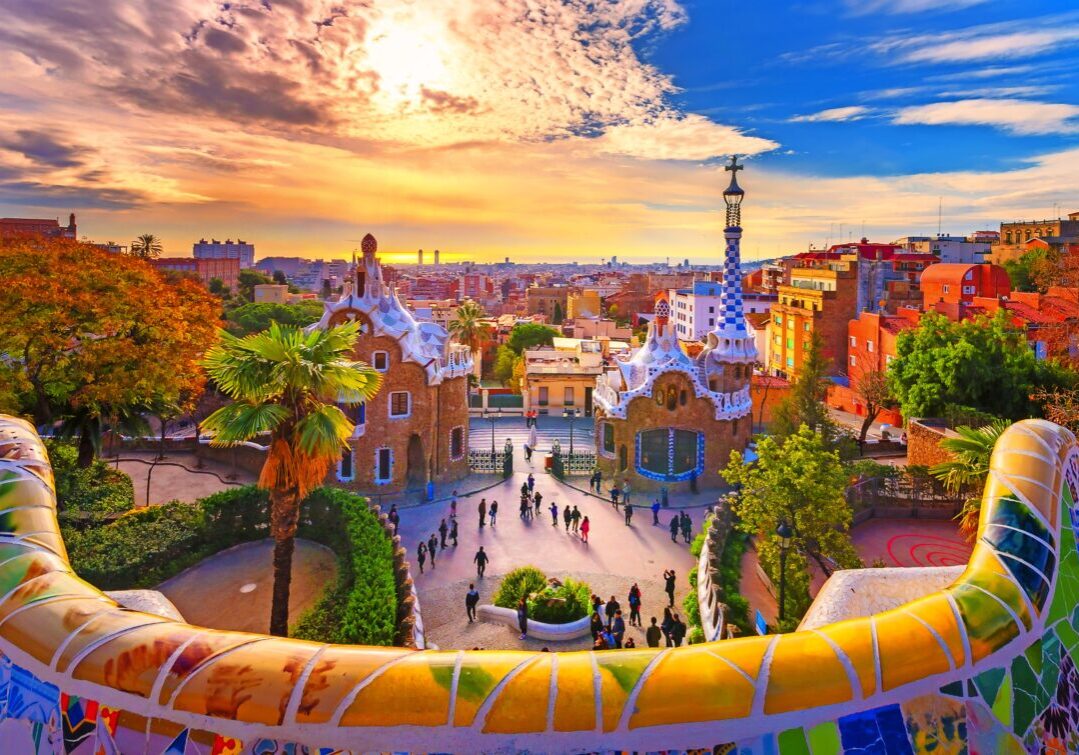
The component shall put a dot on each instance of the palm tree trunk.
(284, 518)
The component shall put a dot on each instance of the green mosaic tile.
(1069, 638)
(793, 742)
(824, 739)
(955, 689)
(1025, 690)
(1002, 706)
(1033, 654)
(988, 683)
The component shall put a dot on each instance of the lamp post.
(572, 415)
(492, 417)
(784, 533)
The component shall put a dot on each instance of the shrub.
(98, 489)
(147, 546)
(519, 583)
(568, 602)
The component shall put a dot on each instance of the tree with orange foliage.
(91, 338)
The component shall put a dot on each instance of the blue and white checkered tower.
(732, 339)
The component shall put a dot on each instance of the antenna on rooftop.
(940, 212)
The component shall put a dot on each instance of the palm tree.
(968, 468)
(285, 382)
(467, 328)
(147, 246)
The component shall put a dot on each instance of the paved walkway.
(233, 589)
(171, 482)
(639, 552)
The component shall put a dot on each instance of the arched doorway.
(416, 475)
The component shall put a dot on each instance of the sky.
(539, 130)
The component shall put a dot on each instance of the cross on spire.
(734, 167)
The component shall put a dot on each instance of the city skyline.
(548, 131)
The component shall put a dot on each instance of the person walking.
(453, 505)
(394, 517)
(432, 547)
(421, 554)
(472, 599)
(567, 517)
(635, 605)
(652, 634)
(554, 514)
(599, 480)
(481, 560)
(667, 626)
(610, 608)
(443, 530)
(585, 527)
(528, 453)
(655, 512)
(493, 512)
(597, 603)
(483, 512)
(576, 519)
(524, 508)
(618, 628)
(678, 631)
(537, 499)
(531, 483)
(615, 492)
(675, 521)
(687, 527)
(596, 626)
(629, 514)
(525, 490)
(625, 493)
(522, 617)
(453, 531)
(668, 587)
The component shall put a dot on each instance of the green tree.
(505, 361)
(279, 278)
(246, 282)
(557, 316)
(804, 404)
(252, 318)
(218, 287)
(968, 468)
(285, 383)
(529, 335)
(1027, 270)
(984, 363)
(796, 480)
(876, 393)
(147, 246)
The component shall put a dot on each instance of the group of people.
(608, 624)
(434, 544)
(681, 522)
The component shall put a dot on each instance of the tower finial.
(733, 195)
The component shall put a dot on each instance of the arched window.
(345, 466)
(623, 458)
(683, 396)
(672, 399)
(669, 453)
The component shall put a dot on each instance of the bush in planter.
(519, 583)
(568, 602)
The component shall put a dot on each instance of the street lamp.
(572, 415)
(492, 417)
(784, 533)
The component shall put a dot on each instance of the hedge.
(147, 546)
(98, 489)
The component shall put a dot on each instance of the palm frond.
(240, 421)
(323, 431)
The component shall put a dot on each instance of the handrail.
(165, 676)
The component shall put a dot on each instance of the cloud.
(692, 137)
(1013, 115)
(834, 115)
(44, 149)
(37, 194)
(866, 7)
(992, 42)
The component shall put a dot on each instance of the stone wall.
(923, 442)
(709, 594)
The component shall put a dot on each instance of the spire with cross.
(733, 194)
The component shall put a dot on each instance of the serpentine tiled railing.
(985, 662)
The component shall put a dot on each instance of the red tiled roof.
(896, 324)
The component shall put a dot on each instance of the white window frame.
(853, 361)
(378, 453)
(869, 345)
(389, 405)
(374, 359)
(341, 477)
(854, 341)
(464, 442)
